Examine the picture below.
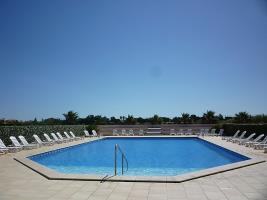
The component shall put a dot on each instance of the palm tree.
(185, 118)
(242, 117)
(209, 117)
(71, 117)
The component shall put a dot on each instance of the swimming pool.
(147, 156)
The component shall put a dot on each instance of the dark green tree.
(242, 117)
(71, 117)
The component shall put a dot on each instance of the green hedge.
(230, 129)
(28, 131)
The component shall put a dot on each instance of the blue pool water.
(146, 156)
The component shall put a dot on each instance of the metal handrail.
(123, 157)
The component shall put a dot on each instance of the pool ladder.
(123, 158)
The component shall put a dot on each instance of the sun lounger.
(172, 131)
(243, 141)
(188, 132)
(62, 138)
(213, 132)
(95, 134)
(230, 138)
(141, 132)
(86, 133)
(115, 132)
(74, 136)
(180, 132)
(131, 132)
(16, 143)
(260, 145)
(68, 137)
(221, 131)
(5, 148)
(25, 143)
(40, 142)
(256, 140)
(123, 132)
(47, 137)
(242, 136)
(56, 138)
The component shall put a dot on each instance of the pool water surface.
(147, 156)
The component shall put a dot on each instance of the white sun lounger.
(123, 132)
(56, 138)
(131, 132)
(26, 144)
(68, 137)
(115, 132)
(239, 138)
(261, 145)
(86, 133)
(172, 131)
(221, 131)
(256, 140)
(229, 138)
(61, 137)
(6, 149)
(141, 132)
(74, 136)
(180, 132)
(47, 137)
(94, 133)
(213, 132)
(16, 143)
(243, 141)
(40, 142)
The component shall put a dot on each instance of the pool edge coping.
(53, 175)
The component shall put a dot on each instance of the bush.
(230, 129)
(28, 131)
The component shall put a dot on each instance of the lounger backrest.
(66, 134)
(38, 140)
(258, 138)
(251, 136)
(59, 135)
(94, 132)
(141, 132)
(264, 140)
(54, 136)
(2, 145)
(236, 134)
(221, 131)
(115, 132)
(213, 131)
(47, 137)
(131, 131)
(15, 141)
(86, 133)
(123, 132)
(72, 134)
(23, 140)
(206, 130)
(243, 135)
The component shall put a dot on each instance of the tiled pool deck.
(20, 182)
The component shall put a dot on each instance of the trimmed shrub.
(28, 131)
(230, 129)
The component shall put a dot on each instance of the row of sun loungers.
(53, 138)
(124, 132)
(202, 132)
(259, 142)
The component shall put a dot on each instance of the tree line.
(209, 117)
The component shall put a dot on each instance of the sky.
(140, 57)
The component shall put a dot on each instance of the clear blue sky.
(132, 57)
